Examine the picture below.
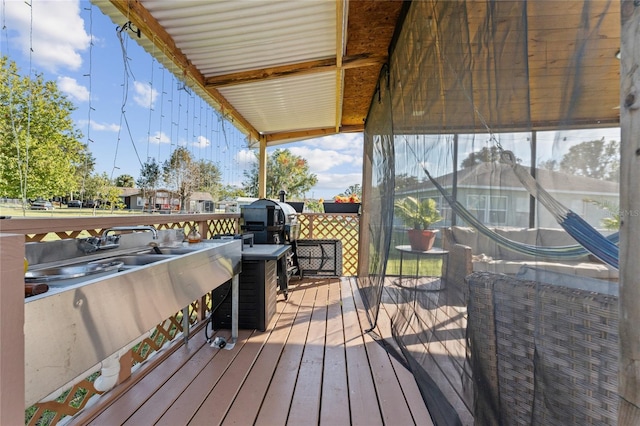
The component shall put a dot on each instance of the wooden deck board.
(313, 365)
(190, 400)
(363, 400)
(334, 407)
(277, 401)
(305, 405)
(408, 383)
(440, 369)
(390, 397)
(246, 406)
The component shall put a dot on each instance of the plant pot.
(341, 207)
(421, 240)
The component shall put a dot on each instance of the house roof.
(289, 69)
(200, 196)
(499, 175)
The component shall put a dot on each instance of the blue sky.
(54, 38)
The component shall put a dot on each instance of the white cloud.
(321, 160)
(201, 142)
(351, 143)
(100, 126)
(145, 96)
(331, 184)
(105, 127)
(71, 87)
(159, 137)
(245, 159)
(54, 29)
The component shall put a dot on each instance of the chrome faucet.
(92, 244)
(131, 228)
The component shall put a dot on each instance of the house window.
(488, 209)
(444, 208)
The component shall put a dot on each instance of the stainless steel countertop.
(265, 251)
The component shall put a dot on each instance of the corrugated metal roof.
(286, 104)
(223, 37)
(272, 66)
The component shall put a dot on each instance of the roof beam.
(134, 11)
(277, 138)
(341, 28)
(310, 67)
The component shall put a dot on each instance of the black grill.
(271, 222)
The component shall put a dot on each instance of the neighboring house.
(200, 202)
(129, 196)
(135, 199)
(494, 194)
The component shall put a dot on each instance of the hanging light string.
(90, 109)
(127, 73)
(162, 93)
(151, 110)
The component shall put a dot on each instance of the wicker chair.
(541, 354)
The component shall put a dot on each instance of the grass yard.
(428, 267)
(17, 212)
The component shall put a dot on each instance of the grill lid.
(287, 211)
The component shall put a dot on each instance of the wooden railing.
(344, 227)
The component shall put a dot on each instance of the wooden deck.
(313, 365)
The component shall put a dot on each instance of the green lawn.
(428, 267)
(14, 211)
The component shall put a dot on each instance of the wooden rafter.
(282, 137)
(310, 67)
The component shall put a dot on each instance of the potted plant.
(419, 215)
(342, 204)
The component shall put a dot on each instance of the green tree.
(285, 171)
(148, 181)
(95, 186)
(111, 196)
(552, 165)
(230, 192)
(209, 178)
(181, 174)
(83, 172)
(125, 181)
(485, 155)
(596, 159)
(353, 190)
(40, 148)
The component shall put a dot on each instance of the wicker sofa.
(540, 353)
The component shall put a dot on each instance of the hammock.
(585, 234)
(554, 252)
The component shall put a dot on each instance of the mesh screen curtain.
(477, 92)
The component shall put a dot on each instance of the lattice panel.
(72, 401)
(213, 227)
(173, 225)
(343, 227)
(223, 226)
(164, 332)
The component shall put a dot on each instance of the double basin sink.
(116, 263)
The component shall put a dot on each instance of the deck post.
(629, 299)
(262, 168)
(12, 388)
